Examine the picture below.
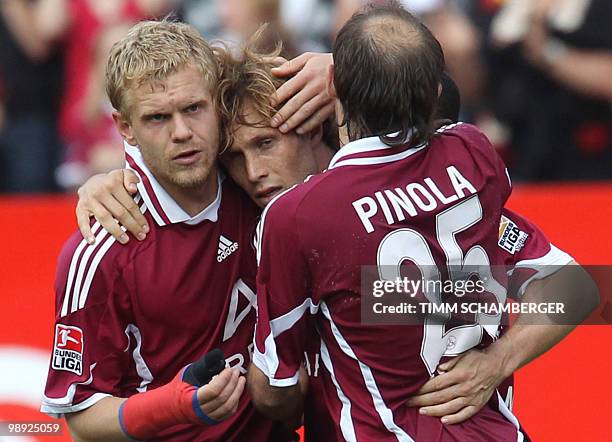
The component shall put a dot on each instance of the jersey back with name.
(433, 208)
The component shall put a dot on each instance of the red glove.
(144, 415)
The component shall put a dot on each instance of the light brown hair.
(246, 76)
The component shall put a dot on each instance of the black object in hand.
(202, 371)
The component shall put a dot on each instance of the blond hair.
(153, 50)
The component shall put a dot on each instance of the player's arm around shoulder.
(541, 275)
(109, 199)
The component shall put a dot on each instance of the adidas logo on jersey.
(226, 248)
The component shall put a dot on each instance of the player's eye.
(265, 143)
(155, 118)
(193, 108)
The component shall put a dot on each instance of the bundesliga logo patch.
(511, 238)
(68, 349)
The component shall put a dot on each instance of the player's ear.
(331, 89)
(315, 135)
(125, 128)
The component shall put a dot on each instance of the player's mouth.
(188, 157)
(266, 195)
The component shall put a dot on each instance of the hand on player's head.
(306, 101)
(277, 62)
(108, 198)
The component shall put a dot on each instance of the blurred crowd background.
(535, 75)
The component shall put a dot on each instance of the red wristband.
(144, 415)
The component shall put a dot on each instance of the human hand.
(463, 387)
(306, 101)
(219, 398)
(108, 198)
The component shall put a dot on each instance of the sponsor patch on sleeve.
(511, 238)
(68, 349)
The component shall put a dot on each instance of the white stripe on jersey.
(73, 263)
(448, 126)
(372, 144)
(378, 160)
(268, 361)
(141, 366)
(545, 266)
(57, 407)
(59, 412)
(89, 250)
(383, 411)
(346, 422)
(75, 296)
(554, 257)
(92, 270)
(289, 319)
(260, 226)
(142, 189)
(503, 408)
(224, 240)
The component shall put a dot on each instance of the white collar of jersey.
(368, 145)
(374, 144)
(162, 206)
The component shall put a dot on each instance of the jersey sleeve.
(90, 345)
(527, 252)
(284, 306)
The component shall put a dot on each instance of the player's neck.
(323, 155)
(195, 199)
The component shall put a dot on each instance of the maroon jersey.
(438, 206)
(128, 318)
(526, 252)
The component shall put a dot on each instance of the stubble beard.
(191, 181)
(189, 178)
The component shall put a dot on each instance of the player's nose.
(181, 131)
(256, 169)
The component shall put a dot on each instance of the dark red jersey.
(128, 318)
(527, 254)
(524, 245)
(436, 206)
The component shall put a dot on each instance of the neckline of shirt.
(163, 208)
